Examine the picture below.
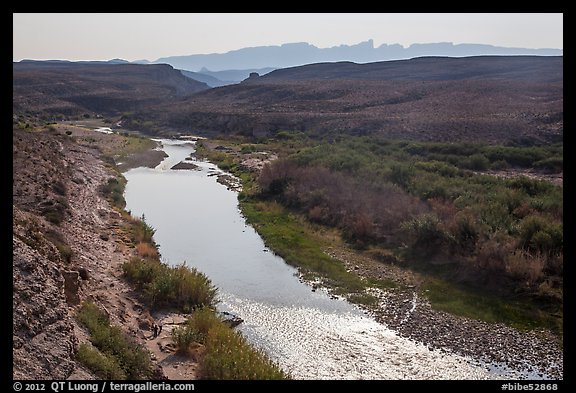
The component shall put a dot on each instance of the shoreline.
(98, 245)
(405, 311)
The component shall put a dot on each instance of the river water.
(310, 335)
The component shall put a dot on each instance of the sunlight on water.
(310, 335)
(314, 344)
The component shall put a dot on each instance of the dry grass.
(146, 250)
(526, 265)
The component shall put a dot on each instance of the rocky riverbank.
(537, 354)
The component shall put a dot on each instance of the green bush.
(465, 233)
(530, 186)
(401, 174)
(181, 287)
(114, 191)
(184, 336)
(195, 329)
(551, 164)
(142, 232)
(425, 232)
(133, 360)
(539, 234)
(230, 357)
(476, 162)
(56, 211)
(227, 355)
(105, 367)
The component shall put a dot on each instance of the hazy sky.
(150, 36)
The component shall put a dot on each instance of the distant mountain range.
(295, 54)
(220, 69)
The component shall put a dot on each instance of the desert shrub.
(105, 367)
(495, 216)
(141, 231)
(550, 202)
(58, 240)
(551, 164)
(275, 177)
(248, 148)
(56, 211)
(229, 356)
(133, 360)
(476, 162)
(531, 187)
(113, 190)
(492, 252)
(140, 271)
(526, 266)
(184, 336)
(401, 174)
(180, 286)
(536, 233)
(59, 187)
(465, 233)
(499, 165)
(439, 167)
(146, 250)
(510, 198)
(227, 353)
(425, 232)
(195, 329)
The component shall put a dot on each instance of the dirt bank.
(68, 246)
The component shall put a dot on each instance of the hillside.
(69, 245)
(517, 68)
(516, 99)
(72, 89)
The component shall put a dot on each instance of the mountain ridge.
(427, 68)
(300, 53)
(498, 99)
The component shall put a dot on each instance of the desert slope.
(71, 89)
(489, 99)
(69, 245)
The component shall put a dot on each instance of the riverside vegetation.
(486, 239)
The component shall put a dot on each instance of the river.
(310, 335)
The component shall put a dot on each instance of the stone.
(71, 287)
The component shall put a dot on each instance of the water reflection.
(312, 336)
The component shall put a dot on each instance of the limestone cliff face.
(44, 342)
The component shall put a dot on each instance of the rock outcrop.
(44, 343)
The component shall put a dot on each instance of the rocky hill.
(68, 247)
(504, 68)
(63, 88)
(513, 99)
